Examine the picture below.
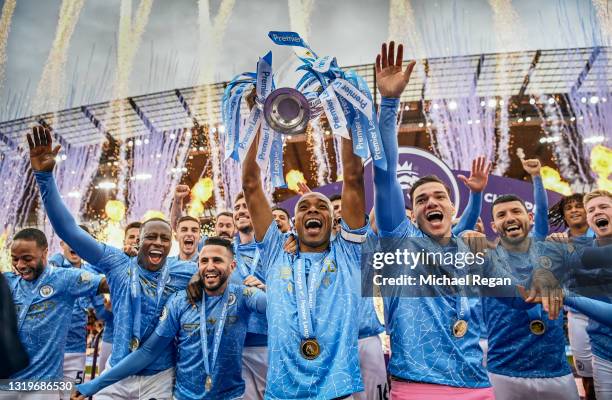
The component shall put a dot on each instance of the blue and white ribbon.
(344, 97)
(240, 131)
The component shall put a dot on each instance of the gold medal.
(208, 384)
(310, 349)
(134, 344)
(460, 328)
(537, 327)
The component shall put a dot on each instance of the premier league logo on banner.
(415, 163)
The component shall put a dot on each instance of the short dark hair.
(32, 235)
(427, 179)
(219, 241)
(85, 228)
(335, 196)
(226, 213)
(239, 196)
(187, 218)
(132, 225)
(279, 208)
(507, 198)
(555, 213)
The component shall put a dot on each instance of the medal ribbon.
(209, 364)
(245, 269)
(306, 304)
(29, 299)
(136, 296)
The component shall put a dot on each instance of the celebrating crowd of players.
(272, 308)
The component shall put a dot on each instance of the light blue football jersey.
(335, 372)
(46, 323)
(181, 320)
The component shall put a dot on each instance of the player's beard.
(38, 270)
(221, 281)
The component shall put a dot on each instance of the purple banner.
(415, 163)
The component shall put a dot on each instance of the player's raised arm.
(391, 80)
(257, 203)
(353, 192)
(477, 181)
(42, 159)
(533, 168)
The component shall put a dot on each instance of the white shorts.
(105, 352)
(512, 388)
(373, 370)
(580, 343)
(28, 396)
(602, 377)
(136, 387)
(74, 370)
(254, 371)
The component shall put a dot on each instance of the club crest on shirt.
(46, 290)
(231, 300)
(545, 262)
(247, 292)
(164, 314)
(331, 265)
(85, 277)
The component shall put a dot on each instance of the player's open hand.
(479, 175)
(42, 155)
(391, 79)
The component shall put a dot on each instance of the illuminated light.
(436, 106)
(74, 194)
(115, 210)
(492, 103)
(527, 119)
(532, 101)
(594, 139)
(213, 129)
(172, 136)
(221, 128)
(130, 143)
(580, 118)
(470, 122)
(141, 177)
(573, 119)
(63, 157)
(406, 107)
(452, 105)
(327, 133)
(158, 155)
(583, 100)
(520, 120)
(146, 141)
(603, 99)
(477, 121)
(294, 177)
(138, 142)
(196, 208)
(551, 100)
(594, 100)
(501, 102)
(601, 161)
(552, 181)
(482, 103)
(188, 134)
(203, 189)
(190, 157)
(107, 185)
(428, 124)
(153, 214)
(58, 159)
(201, 148)
(421, 125)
